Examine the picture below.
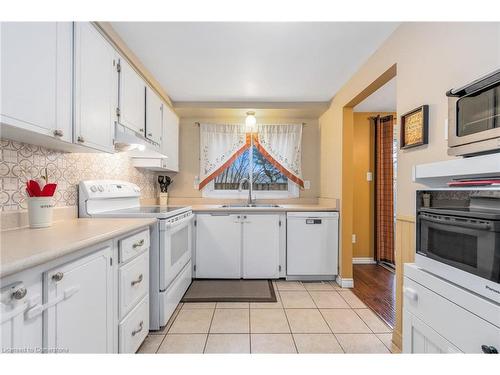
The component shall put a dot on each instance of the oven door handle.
(458, 223)
(176, 224)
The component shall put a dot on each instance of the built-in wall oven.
(474, 117)
(458, 238)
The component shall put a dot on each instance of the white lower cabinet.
(261, 245)
(87, 302)
(440, 317)
(79, 314)
(21, 331)
(233, 246)
(218, 246)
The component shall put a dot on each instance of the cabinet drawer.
(134, 282)
(133, 245)
(459, 326)
(173, 295)
(134, 328)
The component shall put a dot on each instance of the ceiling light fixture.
(250, 121)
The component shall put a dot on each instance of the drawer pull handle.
(138, 243)
(141, 324)
(57, 276)
(20, 293)
(489, 349)
(139, 279)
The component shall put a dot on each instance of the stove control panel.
(100, 189)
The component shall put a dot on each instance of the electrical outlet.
(369, 176)
(353, 238)
(307, 184)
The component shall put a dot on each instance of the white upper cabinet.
(154, 117)
(80, 305)
(261, 246)
(36, 73)
(96, 88)
(132, 98)
(170, 138)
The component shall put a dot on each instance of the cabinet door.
(132, 98)
(19, 330)
(170, 138)
(79, 300)
(418, 337)
(36, 70)
(154, 117)
(261, 234)
(218, 246)
(96, 88)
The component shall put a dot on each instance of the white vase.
(163, 199)
(40, 211)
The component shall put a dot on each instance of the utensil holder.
(40, 211)
(163, 199)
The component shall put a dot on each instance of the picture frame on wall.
(415, 128)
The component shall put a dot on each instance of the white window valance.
(222, 144)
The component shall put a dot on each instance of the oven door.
(467, 244)
(474, 118)
(175, 249)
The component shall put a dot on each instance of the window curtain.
(222, 144)
(384, 189)
(281, 145)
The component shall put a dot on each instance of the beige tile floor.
(317, 317)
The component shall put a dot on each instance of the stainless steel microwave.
(474, 117)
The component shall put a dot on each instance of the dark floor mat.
(230, 291)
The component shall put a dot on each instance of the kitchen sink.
(246, 205)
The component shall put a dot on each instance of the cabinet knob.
(141, 130)
(19, 293)
(489, 349)
(150, 134)
(141, 324)
(80, 139)
(58, 133)
(57, 276)
(138, 281)
(138, 244)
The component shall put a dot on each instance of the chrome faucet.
(240, 189)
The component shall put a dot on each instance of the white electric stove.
(171, 239)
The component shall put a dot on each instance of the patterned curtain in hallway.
(384, 189)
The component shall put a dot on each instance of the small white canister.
(163, 199)
(40, 211)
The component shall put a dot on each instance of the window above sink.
(268, 181)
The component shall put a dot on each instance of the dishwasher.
(312, 245)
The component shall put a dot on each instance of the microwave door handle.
(459, 223)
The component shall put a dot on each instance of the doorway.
(374, 201)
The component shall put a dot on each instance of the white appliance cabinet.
(441, 317)
(93, 301)
(238, 245)
(36, 90)
(96, 88)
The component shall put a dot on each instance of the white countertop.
(24, 248)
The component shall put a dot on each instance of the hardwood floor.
(376, 287)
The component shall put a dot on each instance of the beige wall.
(189, 165)
(431, 58)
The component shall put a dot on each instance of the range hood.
(127, 139)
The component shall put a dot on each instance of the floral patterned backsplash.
(19, 160)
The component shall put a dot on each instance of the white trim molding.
(345, 282)
(363, 260)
